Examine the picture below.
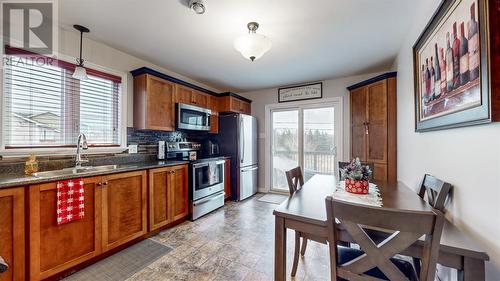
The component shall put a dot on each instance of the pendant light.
(80, 72)
(198, 6)
(253, 45)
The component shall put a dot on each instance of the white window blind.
(45, 107)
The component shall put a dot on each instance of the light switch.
(132, 148)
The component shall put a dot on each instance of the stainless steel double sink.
(76, 171)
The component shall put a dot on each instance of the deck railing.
(322, 162)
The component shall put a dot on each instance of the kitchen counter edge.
(16, 180)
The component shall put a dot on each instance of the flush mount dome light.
(198, 6)
(80, 72)
(253, 45)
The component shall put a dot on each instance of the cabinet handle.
(105, 183)
(99, 184)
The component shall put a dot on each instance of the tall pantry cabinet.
(373, 124)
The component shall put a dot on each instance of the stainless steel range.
(207, 184)
(206, 177)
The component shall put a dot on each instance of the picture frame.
(451, 82)
(301, 92)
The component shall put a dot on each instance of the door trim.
(337, 102)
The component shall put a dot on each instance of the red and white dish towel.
(70, 201)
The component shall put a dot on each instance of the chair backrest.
(437, 191)
(406, 228)
(295, 179)
(342, 165)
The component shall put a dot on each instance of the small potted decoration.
(356, 177)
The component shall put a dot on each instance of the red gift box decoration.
(357, 186)
(70, 201)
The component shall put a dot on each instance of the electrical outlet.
(132, 148)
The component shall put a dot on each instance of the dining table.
(305, 211)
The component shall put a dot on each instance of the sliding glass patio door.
(285, 145)
(305, 136)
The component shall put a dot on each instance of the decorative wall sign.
(451, 67)
(302, 92)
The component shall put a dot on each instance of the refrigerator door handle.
(250, 169)
(242, 141)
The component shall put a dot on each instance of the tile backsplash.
(147, 140)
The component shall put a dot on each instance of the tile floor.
(234, 243)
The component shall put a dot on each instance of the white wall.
(331, 88)
(469, 158)
(106, 56)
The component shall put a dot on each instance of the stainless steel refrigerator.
(238, 138)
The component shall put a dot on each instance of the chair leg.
(296, 254)
(304, 245)
(416, 265)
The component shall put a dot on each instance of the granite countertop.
(12, 180)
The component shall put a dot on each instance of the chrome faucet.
(80, 144)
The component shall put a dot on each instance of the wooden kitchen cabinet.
(213, 104)
(154, 106)
(124, 208)
(199, 99)
(168, 195)
(373, 124)
(155, 96)
(183, 94)
(227, 179)
(233, 104)
(179, 192)
(12, 239)
(187, 95)
(55, 248)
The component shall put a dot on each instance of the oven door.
(207, 178)
(191, 117)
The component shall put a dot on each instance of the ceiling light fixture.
(80, 72)
(198, 6)
(253, 45)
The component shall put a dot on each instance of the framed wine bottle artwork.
(451, 67)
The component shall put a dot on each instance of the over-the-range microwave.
(190, 117)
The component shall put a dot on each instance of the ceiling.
(332, 38)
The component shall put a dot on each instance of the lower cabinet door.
(179, 192)
(159, 197)
(123, 208)
(380, 172)
(12, 233)
(54, 248)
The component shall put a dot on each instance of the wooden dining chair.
(437, 192)
(295, 181)
(377, 262)
(342, 165)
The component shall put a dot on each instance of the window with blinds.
(46, 107)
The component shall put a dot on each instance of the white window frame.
(122, 100)
(338, 102)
